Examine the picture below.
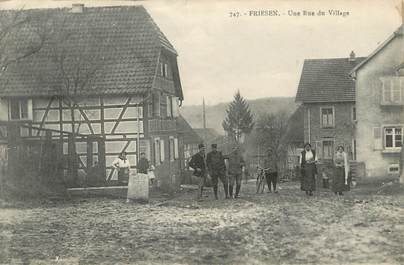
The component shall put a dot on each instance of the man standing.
(235, 170)
(143, 165)
(198, 164)
(271, 171)
(217, 169)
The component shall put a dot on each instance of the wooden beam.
(102, 115)
(121, 114)
(45, 114)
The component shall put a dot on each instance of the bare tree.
(268, 134)
(78, 58)
(22, 34)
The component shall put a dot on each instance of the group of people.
(308, 161)
(122, 166)
(214, 166)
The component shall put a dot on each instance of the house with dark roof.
(327, 93)
(107, 72)
(379, 90)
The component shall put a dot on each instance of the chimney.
(352, 56)
(77, 8)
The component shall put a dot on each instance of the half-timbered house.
(107, 73)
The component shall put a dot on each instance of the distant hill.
(215, 114)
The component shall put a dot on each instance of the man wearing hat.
(217, 169)
(198, 164)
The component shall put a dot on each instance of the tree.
(78, 57)
(239, 119)
(22, 34)
(268, 134)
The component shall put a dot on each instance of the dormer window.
(164, 69)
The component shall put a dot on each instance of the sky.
(223, 46)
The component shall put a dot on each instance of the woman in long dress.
(121, 164)
(341, 172)
(308, 161)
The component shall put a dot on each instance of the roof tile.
(125, 40)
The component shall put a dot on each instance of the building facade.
(380, 107)
(126, 99)
(327, 95)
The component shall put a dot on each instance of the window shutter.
(162, 151)
(175, 106)
(161, 69)
(377, 138)
(169, 107)
(166, 70)
(318, 149)
(176, 156)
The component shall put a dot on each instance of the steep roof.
(396, 33)
(207, 134)
(125, 40)
(327, 80)
(188, 134)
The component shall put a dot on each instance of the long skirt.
(338, 182)
(308, 179)
(123, 175)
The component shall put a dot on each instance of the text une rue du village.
(291, 13)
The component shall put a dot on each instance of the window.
(327, 117)
(156, 104)
(328, 149)
(163, 107)
(392, 90)
(164, 69)
(20, 109)
(393, 137)
(353, 113)
(173, 148)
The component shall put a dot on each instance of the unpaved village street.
(284, 228)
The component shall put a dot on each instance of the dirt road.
(284, 228)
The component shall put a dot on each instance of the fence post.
(90, 174)
(72, 164)
(101, 160)
(46, 158)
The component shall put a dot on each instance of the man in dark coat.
(143, 165)
(235, 170)
(217, 169)
(199, 166)
(271, 171)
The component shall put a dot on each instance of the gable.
(398, 32)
